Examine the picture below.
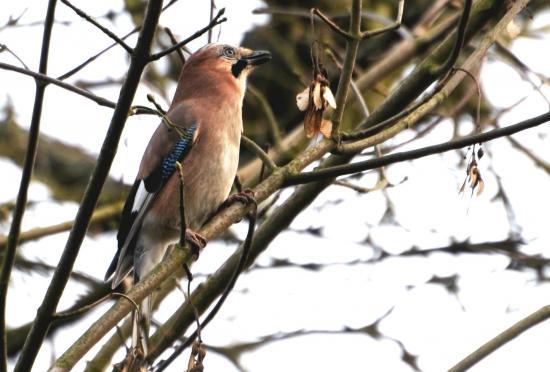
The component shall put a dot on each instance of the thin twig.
(354, 87)
(305, 13)
(215, 21)
(212, 7)
(331, 24)
(174, 41)
(378, 127)
(97, 55)
(362, 166)
(81, 310)
(238, 270)
(44, 79)
(539, 162)
(394, 26)
(274, 130)
(517, 329)
(103, 29)
(5, 47)
(30, 155)
(254, 148)
(352, 45)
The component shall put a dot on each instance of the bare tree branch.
(139, 60)
(517, 329)
(103, 29)
(13, 237)
(96, 56)
(215, 21)
(282, 216)
(329, 173)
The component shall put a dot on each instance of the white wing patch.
(139, 199)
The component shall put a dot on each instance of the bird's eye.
(229, 52)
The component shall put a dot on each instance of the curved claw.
(246, 197)
(196, 241)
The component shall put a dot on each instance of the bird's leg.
(245, 196)
(196, 241)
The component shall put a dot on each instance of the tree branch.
(517, 329)
(230, 284)
(459, 41)
(139, 60)
(282, 216)
(394, 26)
(45, 80)
(100, 216)
(274, 130)
(352, 45)
(96, 56)
(334, 27)
(15, 228)
(329, 173)
(257, 150)
(105, 30)
(213, 23)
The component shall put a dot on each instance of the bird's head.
(224, 63)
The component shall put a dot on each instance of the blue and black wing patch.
(162, 173)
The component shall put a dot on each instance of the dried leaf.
(302, 100)
(329, 97)
(326, 128)
(312, 122)
(317, 100)
(480, 187)
(473, 176)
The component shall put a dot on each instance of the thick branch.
(459, 41)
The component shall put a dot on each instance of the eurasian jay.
(203, 133)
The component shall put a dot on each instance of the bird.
(201, 130)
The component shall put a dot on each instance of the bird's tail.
(148, 253)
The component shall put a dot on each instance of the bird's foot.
(196, 241)
(246, 197)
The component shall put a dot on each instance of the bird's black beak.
(257, 58)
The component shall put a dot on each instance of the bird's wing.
(170, 143)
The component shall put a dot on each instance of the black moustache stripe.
(238, 67)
